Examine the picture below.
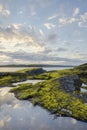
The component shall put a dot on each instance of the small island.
(59, 92)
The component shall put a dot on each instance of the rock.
(70, 83)
(83, 96)
(35, 71)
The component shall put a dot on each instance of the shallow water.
(83, 89)
(22, 115)
(27, 81)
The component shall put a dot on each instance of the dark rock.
(70, 83)
(35, 71)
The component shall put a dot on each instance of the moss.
(8, 78)
(49, 95)
(5, 80)
(82, 69)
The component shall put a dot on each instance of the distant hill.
(82, 67)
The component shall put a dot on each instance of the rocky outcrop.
(35, 71)
(70, 83)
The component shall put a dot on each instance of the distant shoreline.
(37, 65)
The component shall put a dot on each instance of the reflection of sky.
(27, 81)
(82, 89)
(21, 115)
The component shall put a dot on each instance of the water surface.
(22, 115)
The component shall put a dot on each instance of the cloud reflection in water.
(21, 115)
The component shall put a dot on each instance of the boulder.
(70, 83)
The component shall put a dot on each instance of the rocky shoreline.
(60, 93)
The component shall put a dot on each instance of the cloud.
(61, 49)
(78, 56)
(16, 26)
(76, 12)
(1, 46)
(41, 32)
(82, 24)
(65, 21)
(81, 56)
(17, 106)
(33, 13)
(84, 17)
(74, 121)
(52, 37)
(69, 20)
(53, 17)
(4, 121)
(44, 3)
(83, 20)
(41, 57)
(4, 12)
(1, 8)
(49, 25)
(21, 12)
(1, 123)
(15, 37)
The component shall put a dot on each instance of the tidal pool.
(22, 115)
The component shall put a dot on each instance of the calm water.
(22, 115)
(83, 89)
(13, 69)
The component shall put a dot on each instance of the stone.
(70, 83)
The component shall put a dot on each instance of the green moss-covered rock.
(51, 95)
(82, 69)
(7, 78)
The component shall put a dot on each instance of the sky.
(43, 32)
